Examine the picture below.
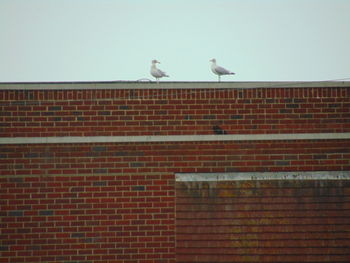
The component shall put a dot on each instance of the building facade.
(175, 172)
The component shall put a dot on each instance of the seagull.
(219, 70)
(157, 73)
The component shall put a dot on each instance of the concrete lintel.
(262, 176)
(174, 138)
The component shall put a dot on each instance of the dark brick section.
(138, 188)
(46, 213)
(54, 108)
(99, 149)
(101, 183)
(15, 213)
(78, 235)
(263, 221)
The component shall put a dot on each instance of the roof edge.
(84, 85)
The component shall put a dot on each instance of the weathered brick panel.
(117, 112)
(269, 221)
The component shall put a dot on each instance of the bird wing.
(162, 73)
(222, 71)
(155, 73)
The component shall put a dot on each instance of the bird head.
(213, 60)
(154, 61)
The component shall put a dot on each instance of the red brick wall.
(110, 202)
(169, 112)
(115, 202)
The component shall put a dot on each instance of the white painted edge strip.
(171, 85)
(262, 176)
(174, 138)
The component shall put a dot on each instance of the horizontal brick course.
(173, 112)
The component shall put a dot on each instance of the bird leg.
(219, 78)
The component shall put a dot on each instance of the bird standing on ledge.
(219, 70)
(155, 72)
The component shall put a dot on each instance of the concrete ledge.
(263, 176)
(167, 85)
(174, 138)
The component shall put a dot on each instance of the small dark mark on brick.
(306, 116)
(77, 189)
(18, 103)
(123, 107)
(46, 212)
(121, 153)
(23, 230)
(320, 156)
(33, 103)
(101, 170)
(237, 117)
(4, 248)
(16, 180)
(16, 213)
(99, 183)
(99, 148)
(34, 248)
(104, 113)
(283, 163)
(136, 164)
(31, 155)
(78, 235)
(292, 106)
(209, 117)
(55, 108)
(138, 188)
(285, 111)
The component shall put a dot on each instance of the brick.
(111, 195)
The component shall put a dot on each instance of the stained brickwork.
(269, 221)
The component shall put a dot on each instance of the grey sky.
(102, 40)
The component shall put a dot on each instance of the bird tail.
(232, 73)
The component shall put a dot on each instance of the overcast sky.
(106, 40)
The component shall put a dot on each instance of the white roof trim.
(174, 138)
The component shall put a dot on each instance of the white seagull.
(219, 70)
(155, 72)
